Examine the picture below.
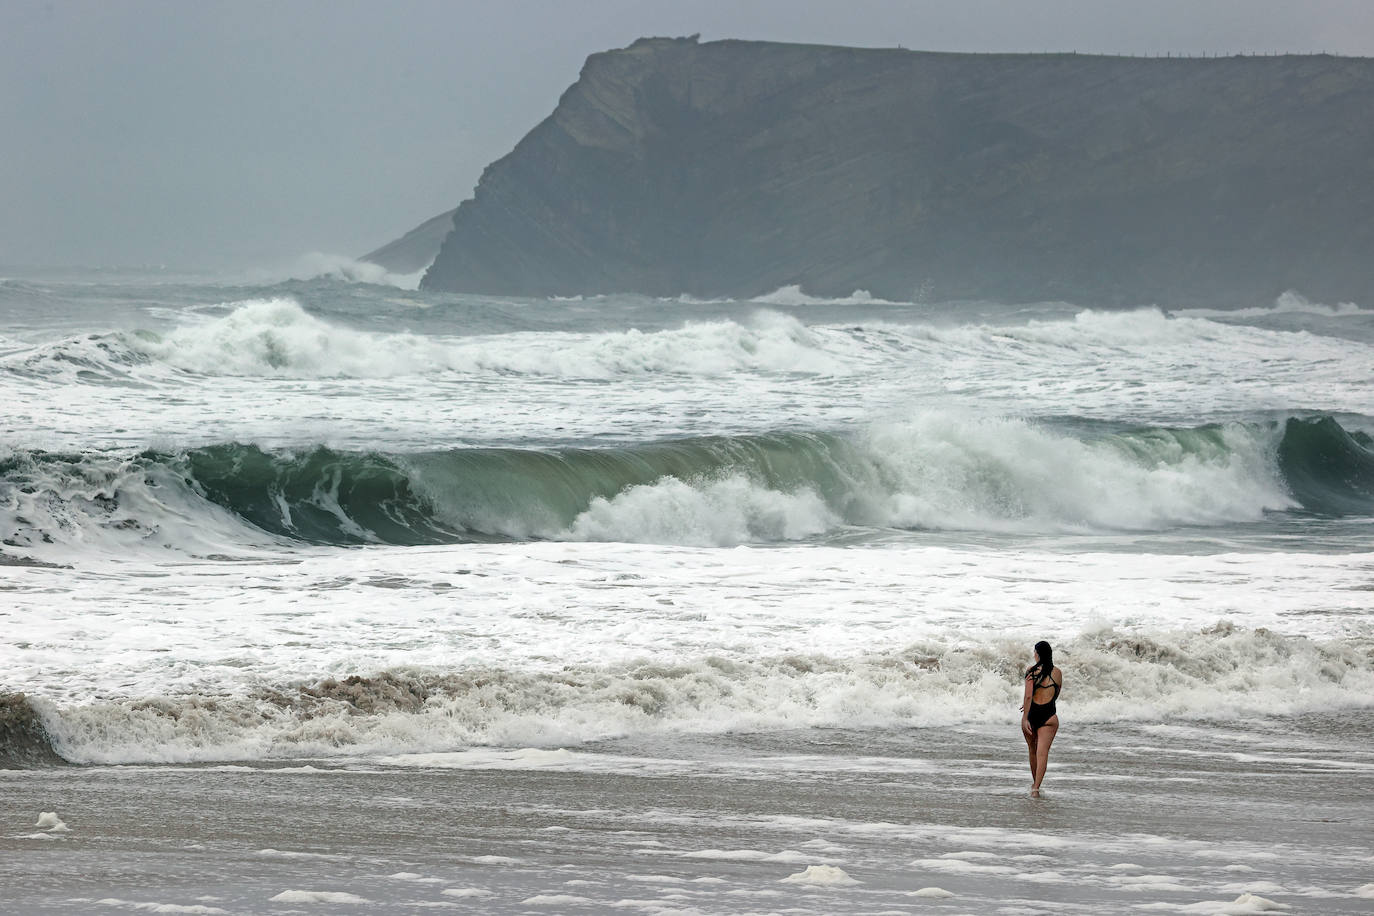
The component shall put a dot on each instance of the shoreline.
(1184, 818)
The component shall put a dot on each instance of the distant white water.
(793, 295)
(320, 264)
(1290, 302)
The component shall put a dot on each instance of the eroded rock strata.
(732, 168)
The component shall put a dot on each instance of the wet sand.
(1196, 818)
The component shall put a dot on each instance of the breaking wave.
(1289, 303)
(1222, 672)
(278, 338)
(341, 267)
(939, 471)
(793, 295)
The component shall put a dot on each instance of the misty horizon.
(239, 136)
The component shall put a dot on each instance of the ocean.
(327, 595)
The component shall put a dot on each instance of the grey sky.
(240, 134)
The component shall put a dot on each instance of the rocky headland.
(415, 250)
(732, 168)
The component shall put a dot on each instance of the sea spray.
(320, 264)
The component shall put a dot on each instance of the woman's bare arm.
(1026, 705)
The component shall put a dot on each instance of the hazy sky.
(243, 134)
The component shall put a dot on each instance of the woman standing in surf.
(1039, 718)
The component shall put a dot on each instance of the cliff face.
(733, 168)
(416, 249)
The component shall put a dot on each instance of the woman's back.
(1047, 687)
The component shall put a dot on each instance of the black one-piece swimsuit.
(1040, 713)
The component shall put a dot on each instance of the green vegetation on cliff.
(734, 168)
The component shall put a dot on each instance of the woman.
(1039, 719)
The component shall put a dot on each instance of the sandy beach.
(1198, 818)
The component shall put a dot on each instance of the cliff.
(416, 249)
(732, 168)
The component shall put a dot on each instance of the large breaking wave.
(940, 471)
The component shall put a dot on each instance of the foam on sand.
(193, 909)
(1161, 884)
(748, 855)
(49, 821)
(961, 867)
(821, 876)
(414, 876)
(318, 897)
(290, 854)
(1244, 904)
(497, 860)
(1253, 887)
(937, 893)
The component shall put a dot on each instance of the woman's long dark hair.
(1045, 665)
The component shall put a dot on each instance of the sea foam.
(332, 897)
(1226, 672)
(821, 876)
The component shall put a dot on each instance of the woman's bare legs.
(1040, 754)
(1030, 746)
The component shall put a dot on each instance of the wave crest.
(940, 471)
(278, 337)
(1288, 303)
(341, 267)
(793, 295)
